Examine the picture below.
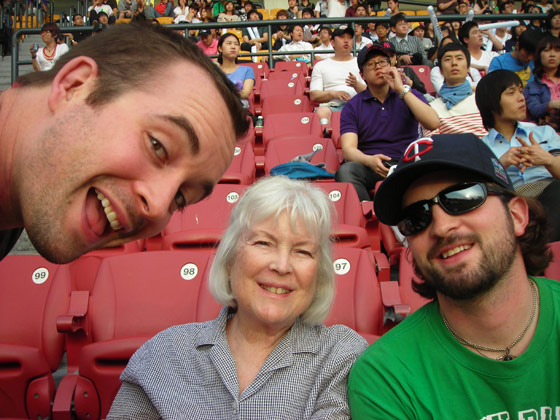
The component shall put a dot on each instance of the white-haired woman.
(267, 355)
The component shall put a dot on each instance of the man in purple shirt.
(379, 123)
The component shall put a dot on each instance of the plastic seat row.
(133, 296)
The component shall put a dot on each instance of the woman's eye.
(158, 149)
(304, 252)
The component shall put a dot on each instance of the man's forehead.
(454, 53)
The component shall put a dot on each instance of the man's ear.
(73, 81)
(519, 210)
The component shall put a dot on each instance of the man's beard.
(460, 284)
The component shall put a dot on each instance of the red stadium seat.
(553, 269)
(350, 227)
(335, 129)
(282, 104)
(423, 73)
(34, 293)
(406, 275)
(392, 245)
(202, 224)
(288, 75)
(283, 150)
(357, 302)
(292, 124)
(134, 297)
(242, 168)
(297, 66)
(261, 69)
(276, 87)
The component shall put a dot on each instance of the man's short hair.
(282, 13)
(326, 28)
(453, 46)
(308, 10)
(134, 46)
(294, 26)
(396, 19)
(528, 41)
(253, 12)
(465, 30)
(384, 24)
(76, 15)
(488, 94)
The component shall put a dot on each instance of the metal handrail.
(268, 24)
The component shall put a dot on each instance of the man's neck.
(498, 317)
(475, 50)
(342, 56)
(380, 92)
(505, 127)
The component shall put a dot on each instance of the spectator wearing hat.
(207, 44)
(97, 7)
(409, 49)
(379, 123)
(463, 7)
(492, 329)
(297, 44)
(103, 18)
(337, 79)
(419, 31)
(456, 106)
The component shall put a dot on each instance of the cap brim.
(388, 198)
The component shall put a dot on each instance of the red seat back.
(357, 302)
(283, 150)
(34, 293)
(203, 223)
(242, 169)
(282, 104)
(291, 124)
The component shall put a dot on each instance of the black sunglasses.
(454, 200)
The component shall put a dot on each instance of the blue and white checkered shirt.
(188, 372)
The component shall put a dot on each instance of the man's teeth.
(109, 212)
(454, 251)
(277, 290)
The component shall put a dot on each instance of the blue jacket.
(537, 97)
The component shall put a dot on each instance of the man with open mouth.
(102, 149)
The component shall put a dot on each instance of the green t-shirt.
(419, 371)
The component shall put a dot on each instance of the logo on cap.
(499, 170)
(417, 148)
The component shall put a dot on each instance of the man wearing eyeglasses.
(488, 346)
(379, 123)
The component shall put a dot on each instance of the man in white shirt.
(325, 36)
(335, 80)
(471, 36)
(297, 44)
(361, 41)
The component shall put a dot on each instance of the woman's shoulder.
(341, 337)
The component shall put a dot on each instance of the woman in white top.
(45, 57)
(181, 11)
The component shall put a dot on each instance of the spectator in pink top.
(207, 44)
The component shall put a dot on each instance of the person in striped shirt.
(456, 107)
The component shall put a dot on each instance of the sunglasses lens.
(417, 217)
(460, 199)
(457, 199)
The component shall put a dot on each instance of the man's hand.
(514, 157)
(534, 153)
(405, 59)
(554, 104)
(375, 162)
(340, 94)
(351, 81)
(393, 78)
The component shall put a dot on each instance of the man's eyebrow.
(184, 124)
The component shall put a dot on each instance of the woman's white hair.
(270, 197)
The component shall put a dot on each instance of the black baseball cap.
(445, 151)
(343, 29)
(366, 53)
(204, 32)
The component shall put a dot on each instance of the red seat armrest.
(74, 320)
